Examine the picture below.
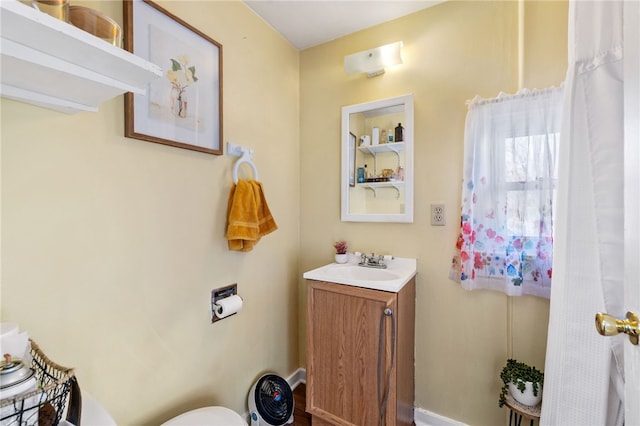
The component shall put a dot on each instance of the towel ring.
(245, 158)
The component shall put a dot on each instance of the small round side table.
(517, 411)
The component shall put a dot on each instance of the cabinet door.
(343, 344)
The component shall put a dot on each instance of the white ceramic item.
(207, 416)
(16, 378)
(527, 397)
(399, 271)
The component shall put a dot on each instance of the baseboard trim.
(422, 417)
(297, 377)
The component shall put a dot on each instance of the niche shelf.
(52, 64)
(383, 147)
(374, 186)
(374, 150)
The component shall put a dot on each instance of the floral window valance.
(508, 192)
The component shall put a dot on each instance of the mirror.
(377, 161)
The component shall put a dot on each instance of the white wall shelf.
(383, 147)
(52, 64)
(374, 186)
(374, 150)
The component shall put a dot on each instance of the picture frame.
(352, 161)
(183, 108)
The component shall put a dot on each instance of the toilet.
(211, 416)
(94, 414)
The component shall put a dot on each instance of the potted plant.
(341, 251)
(523, 382)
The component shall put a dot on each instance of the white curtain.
(510, 172)
(583, 371)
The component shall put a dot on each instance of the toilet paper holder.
(221, 293)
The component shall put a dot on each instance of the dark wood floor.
(300, 416)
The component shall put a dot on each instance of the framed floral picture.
(183, 108)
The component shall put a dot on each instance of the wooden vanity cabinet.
(343, 346)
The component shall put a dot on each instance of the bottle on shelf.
(399, 133)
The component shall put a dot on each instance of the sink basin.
(360, 273)
(398, 272)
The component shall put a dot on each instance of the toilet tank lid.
(207, 415)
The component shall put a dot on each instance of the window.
(526, 187)
(509, 188)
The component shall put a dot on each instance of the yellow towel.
(266, 223)
(248, 216)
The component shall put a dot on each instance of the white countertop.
(399, 271)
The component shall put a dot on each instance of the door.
(631, 39)
(631, 100)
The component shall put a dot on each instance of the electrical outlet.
(437, 215)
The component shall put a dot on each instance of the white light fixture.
(374, 61)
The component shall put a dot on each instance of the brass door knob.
(608, 325)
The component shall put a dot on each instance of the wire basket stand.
(45, 405)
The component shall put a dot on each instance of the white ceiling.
(307, 23)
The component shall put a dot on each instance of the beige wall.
(111, 246)
(451, 53)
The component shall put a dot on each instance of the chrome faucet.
(372, 261)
